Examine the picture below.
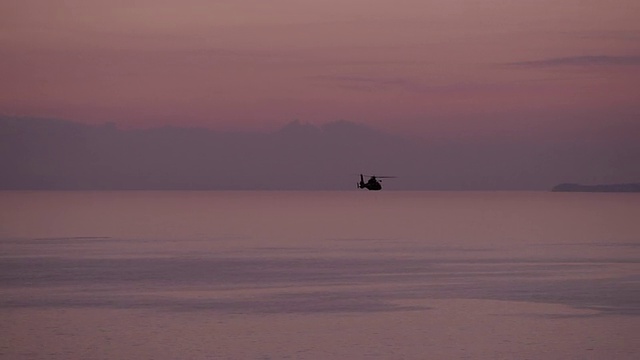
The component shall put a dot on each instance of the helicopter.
(373, 183)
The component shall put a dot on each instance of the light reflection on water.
(205, 268)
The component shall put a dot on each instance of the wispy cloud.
(611, 35)
(581, 61)
(363, 82)
(372, 83)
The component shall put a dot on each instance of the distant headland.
(632, 187)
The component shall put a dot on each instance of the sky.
(430, 68)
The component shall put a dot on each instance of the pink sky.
(449, 67)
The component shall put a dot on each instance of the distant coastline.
(632, 187)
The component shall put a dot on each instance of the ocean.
(319, 275)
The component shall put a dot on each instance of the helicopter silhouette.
(373, 183)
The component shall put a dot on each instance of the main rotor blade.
(380, 177)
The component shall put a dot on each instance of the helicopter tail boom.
(361, 184)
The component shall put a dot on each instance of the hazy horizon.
(48, 154)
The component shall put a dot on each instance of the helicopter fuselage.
(371, 184)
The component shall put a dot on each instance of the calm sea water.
(319, 275)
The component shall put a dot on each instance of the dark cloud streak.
(581, 61)
(364, 83)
